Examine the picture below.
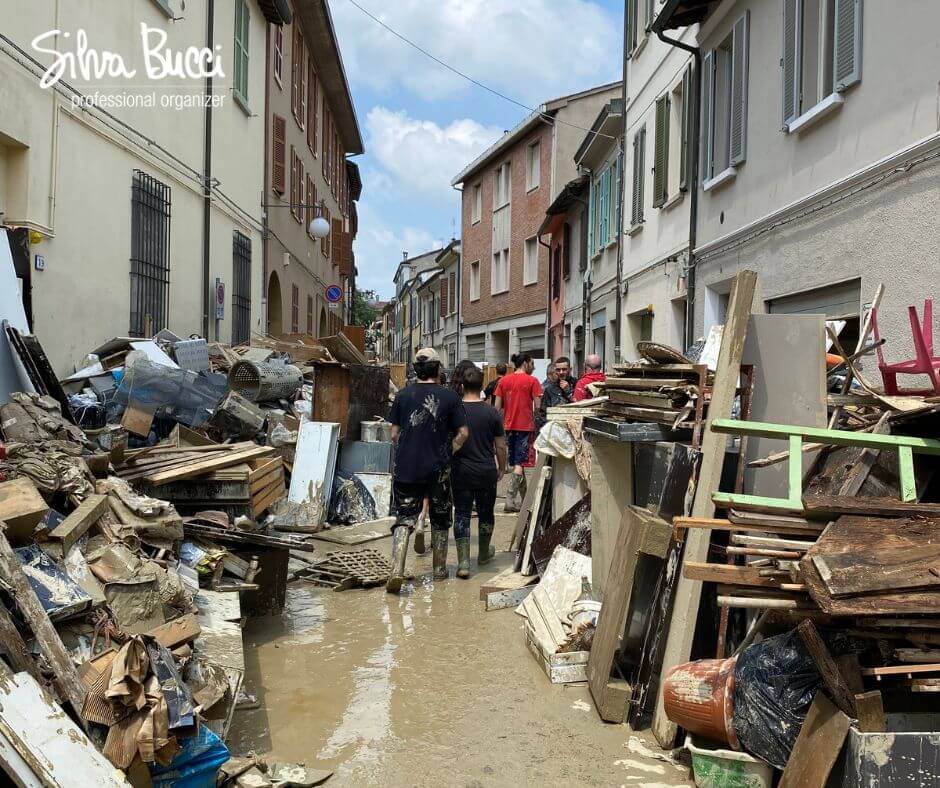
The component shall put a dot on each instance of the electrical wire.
(545, 116)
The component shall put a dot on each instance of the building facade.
(409, 275)
(127, 197)
(505, 193)
(819, 156)
(311, 128)
(449, 262)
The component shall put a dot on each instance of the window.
(501, 186)
(530, 263)
(640, 16)
(822, 48)
(639, 176)
(278, 154)
(241, 288)
(499, 275)
(310, 315)
(325, 242)
(444, 300)
(314, 99)
(682, 132)
(294, 309)
(297, 186)
(566, 252)
(475, 281)
(298, 74)
(476, 205)
(311, 201)
(150, 255)
(327, 136)
(661, 151)
(240, 55)
(533, 164)
(279, 55)
(556, 273)
(452, 293)
(724, 104)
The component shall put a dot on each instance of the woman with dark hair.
(456, 380)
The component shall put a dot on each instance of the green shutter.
(661, 153)
(639, 168)
(739, 54)
(847, 49)
(618, 195)
(790, 62)
(240, 50)
(591, 211)
(708, 117)
(685, 132)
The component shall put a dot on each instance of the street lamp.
(319, 226)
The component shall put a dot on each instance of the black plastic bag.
(774, 684)
(351, 501)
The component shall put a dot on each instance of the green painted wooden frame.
(905, 447)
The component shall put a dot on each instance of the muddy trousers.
(409, 500)
(485, 500)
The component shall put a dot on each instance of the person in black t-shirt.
(476, 469)
(489, 393)
(424, 417)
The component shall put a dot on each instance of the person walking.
(475, 471)
(593, 373)
(428, 424)
(489, 393)
(518, 398)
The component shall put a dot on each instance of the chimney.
(404, 256)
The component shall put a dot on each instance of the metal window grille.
(241, 288)
(150, 255)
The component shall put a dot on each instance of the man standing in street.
(489, 394)
(518, 398)
(593, 373)
(477, 468)
(424, 417)
(560, 390)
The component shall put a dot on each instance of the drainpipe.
(264, 188)
(622, 158)
(459, 272)
(207, 176)
(693, 179)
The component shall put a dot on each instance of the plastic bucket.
(699, 696)
(713, 767)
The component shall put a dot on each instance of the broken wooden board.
(360, 533)
(73, 527)
(718, 524)
(835, 682)
(733, 575)
(501, 600)
(611, 493)
(522, 518)
(21, 508)
(542, 498)
(836, 505)
(817, 746)
(507, 580)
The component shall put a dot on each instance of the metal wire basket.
(261, 382)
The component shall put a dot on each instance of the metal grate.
(150, 255)
(241, 288)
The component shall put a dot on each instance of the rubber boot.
(463, 557)
(420, 546)
(400, 536)
(512, 491)
(439, 549)
(486, 551)
(523, 488)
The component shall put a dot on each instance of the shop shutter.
(790, 62)
(847, 52)
(278, 154)
(739, 90)
(708, 121)
(685, 133)
(661, 152)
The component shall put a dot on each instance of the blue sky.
(421, 124)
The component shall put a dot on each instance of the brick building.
(506, 191)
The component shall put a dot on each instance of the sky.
(422, 124)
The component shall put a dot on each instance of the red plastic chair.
(925, 363)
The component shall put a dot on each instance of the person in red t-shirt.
(593, 373)
(518, 398)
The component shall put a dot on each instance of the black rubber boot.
(463, 557)
(420, 546)
(486, 551)
(439, 550)
(400, 536)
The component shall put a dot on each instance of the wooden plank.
(771, 542)
(832, 677)
(817, 746)
(731, 574)
(758, 527)
(540, 500)
(11, 573)
(688, 592)
(21, 508)
(13, 646)
(870, 712)
(200, 467)
(507, 580)
(500, 600)
(835, 505)
(901, 670)
(180, 630)
(71, 529)
(522, 518)
(611, 493)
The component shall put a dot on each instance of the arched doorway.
(324, 330)
(274, 326)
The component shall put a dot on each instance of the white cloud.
(532, 50)
(420, 155)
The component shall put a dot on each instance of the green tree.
(364, 313)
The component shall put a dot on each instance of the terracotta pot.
(699, 696)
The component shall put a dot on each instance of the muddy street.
(426, 689)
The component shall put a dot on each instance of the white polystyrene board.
(561, 581)
(314, 461)
(379, 486)
(12, 375)
(568, 488)
(59, 753)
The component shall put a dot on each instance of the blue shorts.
(517, 442)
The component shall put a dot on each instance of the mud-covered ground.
(427, 689)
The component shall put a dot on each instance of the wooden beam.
(817, 747)
(832, 677)
(11, 644)
(870, 711)
(73, 527)
(837, 505)
(732, 575)
(688, 592)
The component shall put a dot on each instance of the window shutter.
(278, 154)
(661, 152)
(685, 132)
(566, 257)
(311, 105)
(639, 168)
(302, 95)
(739, 90)
(790, 62)
(708, 118)
(650, 14)
(443, 302)
(453, 291)
(296, 43)
(847, 52)
(631, 25)
(337, 235)
(618, 194)
(592, 210)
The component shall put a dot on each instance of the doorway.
(274, 326)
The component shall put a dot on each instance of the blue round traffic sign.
(334, 294)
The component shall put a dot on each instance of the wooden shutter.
(453, 292)
(639, 168)
(311, 106)
(661, 153)
(326, 133)
(847, 49)
(301, 190)
(739, 49)
(310, 315)
(302, 96)
(295, 53)
(566, 256)
(685, 132)
(790, 62)
(444, 296)
(336, 233)
(325, 242)
(708, 119)
(293, 182)
(278, 153)
(310, 199)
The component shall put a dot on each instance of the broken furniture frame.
(905, 447)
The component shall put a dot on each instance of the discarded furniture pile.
(761, 540)
(150, 503)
